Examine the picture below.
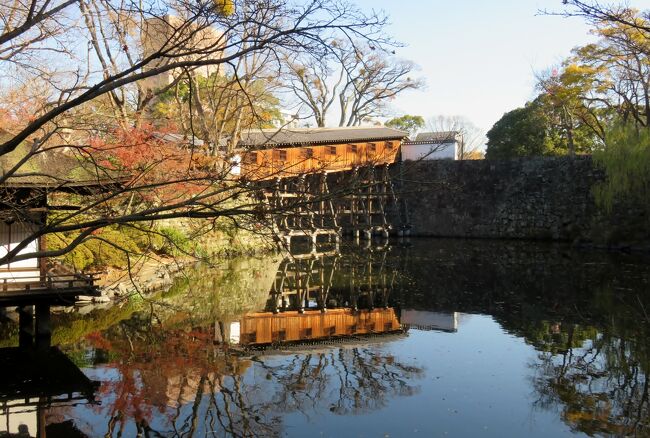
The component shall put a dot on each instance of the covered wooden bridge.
(324, 181)
(287, 153)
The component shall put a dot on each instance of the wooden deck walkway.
(47, 289)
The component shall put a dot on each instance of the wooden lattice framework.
(312, 282)
(357, 202)
(311, 300)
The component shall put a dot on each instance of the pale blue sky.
(477, 56)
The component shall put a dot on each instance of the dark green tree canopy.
(538, 128)
(519, 132)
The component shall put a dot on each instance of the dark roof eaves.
(451, 140)
(271, 144)
(58, 185)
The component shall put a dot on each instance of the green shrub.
(148, 239)
(177, 242)
(95, 251)
(79, 258)
(116, 252)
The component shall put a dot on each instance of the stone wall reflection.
(586, 313)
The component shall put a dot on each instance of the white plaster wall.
(10, 236)
(18, 275)
(444, 151)
(235, 164)
(434, 320)
(235, 332)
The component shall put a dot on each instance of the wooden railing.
(43, 283)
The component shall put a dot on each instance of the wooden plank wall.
(293, 161)
(267, 328)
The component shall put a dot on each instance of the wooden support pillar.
(43, 326)
(218, 333)
(322, 190)
(322, 296)
(370, 193)
(26, 326)
(225, 328)
(352, 204)
(41, 422)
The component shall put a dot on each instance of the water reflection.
(381, 335)
(181, 383)
(180, 365)
(324, 296)
(36, 381)
(585, 314)
(595, 372)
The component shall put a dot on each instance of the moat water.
(422, 338)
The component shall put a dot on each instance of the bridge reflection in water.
(169, 355)
(34, 381)
(326, 297)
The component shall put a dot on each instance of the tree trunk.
(570, 144)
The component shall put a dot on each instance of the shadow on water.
(260, 346)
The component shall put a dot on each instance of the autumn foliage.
(162, 170)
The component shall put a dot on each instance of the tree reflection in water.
(179, 383)
(347, 381)
(598, 378)
(166, 372)
(587, 314)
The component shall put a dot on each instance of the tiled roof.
(52, 169)
(180, 139)
(437, 137)
(316, 136)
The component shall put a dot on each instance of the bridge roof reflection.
(35, 380)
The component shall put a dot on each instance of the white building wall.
(430, 320)
(235, 333)
(10, 236)
(430, 151)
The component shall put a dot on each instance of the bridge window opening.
(352, 148)
(372, 148)
(250, 158)
(280, 155)
(308, 153)
(331, 150)
(389, 145)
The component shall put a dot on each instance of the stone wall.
(547, 198)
